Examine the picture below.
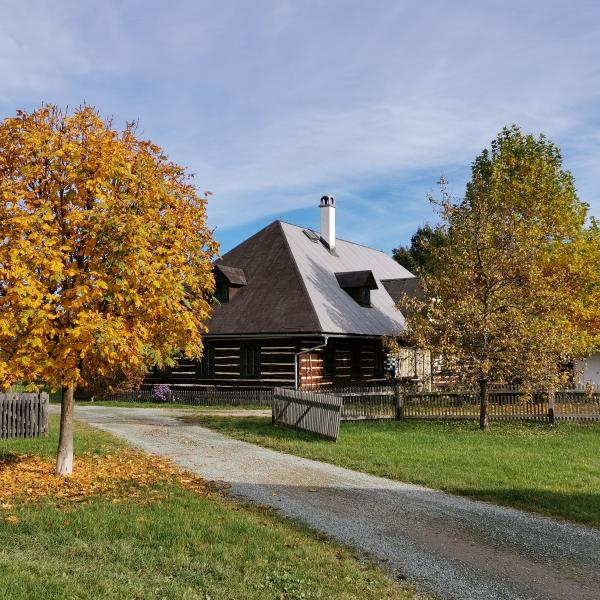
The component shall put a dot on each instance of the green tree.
(513, 297)
(105, 256)
(419, 256)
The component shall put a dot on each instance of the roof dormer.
(228, 280)
(358, 284)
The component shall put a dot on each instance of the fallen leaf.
(118, 477)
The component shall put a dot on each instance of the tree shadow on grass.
(8, 458)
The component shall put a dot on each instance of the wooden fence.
(309, 411)
(367, 403)
(23, 415)
(506, 403)
(197, 397)
(388, 402)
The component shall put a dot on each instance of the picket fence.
(23, 415)
(197, 396)
(506, 403)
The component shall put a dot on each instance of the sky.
(274, 103)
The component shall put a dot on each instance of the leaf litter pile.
(126, 476)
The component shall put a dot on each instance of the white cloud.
(272, 103)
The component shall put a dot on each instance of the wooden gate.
(309, 411)
(23, 415)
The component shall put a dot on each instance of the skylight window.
(313, 236)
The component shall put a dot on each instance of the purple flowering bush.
(161, 393)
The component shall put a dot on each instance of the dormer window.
(358, 285)
(362, 295)
(228, 280)
(222, 292)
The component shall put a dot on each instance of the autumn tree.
(419, 256)
(105, 256)
(513, 297)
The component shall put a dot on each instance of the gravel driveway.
(455, 547)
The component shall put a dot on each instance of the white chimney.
(327, 207)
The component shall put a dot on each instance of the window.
(250, 360)
(206, 367)
(362, 295)
(356, 360)
(379, 361)
(222, 292)
(311, 235)
(329, 358)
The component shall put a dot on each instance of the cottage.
(299, 308)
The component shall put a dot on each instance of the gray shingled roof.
(400, 287)
(292, 287)
(336, 310)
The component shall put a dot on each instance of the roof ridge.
(337, 238)
(248, 239)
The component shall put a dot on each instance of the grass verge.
(153, 537)
(532, 466)
(124, 404)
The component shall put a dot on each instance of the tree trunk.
(64, 457)
(484, 403)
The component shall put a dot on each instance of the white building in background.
(588, 371)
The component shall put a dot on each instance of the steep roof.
(337, 311)
(292, 287)
(274, 299)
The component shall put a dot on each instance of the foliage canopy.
(515, 293)
(419, 256)
(105, 256)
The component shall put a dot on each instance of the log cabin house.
(298, 308)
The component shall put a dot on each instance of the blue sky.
(275, 103)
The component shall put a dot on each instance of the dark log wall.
(312, 373)
(276, 365)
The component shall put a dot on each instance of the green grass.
(123, 404)
(186, 546)
(551, 470)
(87, 439)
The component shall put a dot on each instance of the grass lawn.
(157, 540)
(551, 470)
(123, 404)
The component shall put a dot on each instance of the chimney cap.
(327, 201)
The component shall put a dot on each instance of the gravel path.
(457, 548)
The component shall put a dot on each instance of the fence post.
(551, 407)
(399, 402)
(273, 407)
